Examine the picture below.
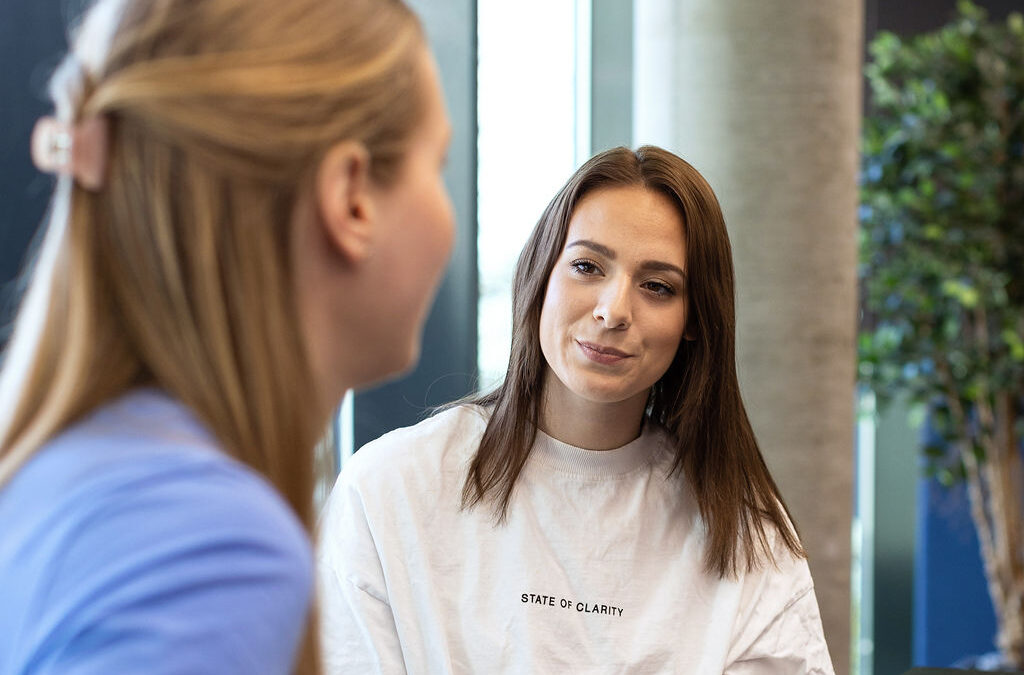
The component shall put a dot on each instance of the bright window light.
(533, 69)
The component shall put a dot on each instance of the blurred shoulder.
(145, 458)
(134, 516)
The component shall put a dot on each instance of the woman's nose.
(613, 304)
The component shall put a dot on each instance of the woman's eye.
(659, 288)
(583, 266)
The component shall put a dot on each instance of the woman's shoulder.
(136, 504)
(145, 456)
(399, 477)
(448, 437)
(141, 441)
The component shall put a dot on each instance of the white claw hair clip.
(79, 150)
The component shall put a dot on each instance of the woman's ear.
(344, 200)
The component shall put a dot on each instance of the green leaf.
(1015, 22)
(1016, 344)
(963, 292)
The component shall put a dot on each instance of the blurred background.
(823, 187)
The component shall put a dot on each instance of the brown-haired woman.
(249, 219)
(605, 509)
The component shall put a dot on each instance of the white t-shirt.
(598, 569)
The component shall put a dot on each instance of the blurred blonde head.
(179, 271)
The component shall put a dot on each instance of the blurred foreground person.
(249, 219)
(606, 509)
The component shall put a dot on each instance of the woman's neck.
(590, 425)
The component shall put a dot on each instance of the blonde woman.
(606, 509)
(249, 219)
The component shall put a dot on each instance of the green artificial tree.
(942, 269)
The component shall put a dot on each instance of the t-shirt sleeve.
(196, 571)
(782, 632)
(358, 630)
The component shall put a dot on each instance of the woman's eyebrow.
(649, 265)
(660, 266)
(593, 246)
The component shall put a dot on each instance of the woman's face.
(416, 234)
(615, 307)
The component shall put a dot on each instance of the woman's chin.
(595, 391)
(389, 366)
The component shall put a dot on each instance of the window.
(533, 98)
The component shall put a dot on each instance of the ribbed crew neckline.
(555, 454)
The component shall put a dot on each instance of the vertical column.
(764, 98)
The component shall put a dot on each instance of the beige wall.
(764, 98)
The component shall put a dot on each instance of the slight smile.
(603, 355)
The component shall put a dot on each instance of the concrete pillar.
(764, 98)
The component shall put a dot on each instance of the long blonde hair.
(178, 273)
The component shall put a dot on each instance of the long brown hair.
(697, 399)
(178, 272)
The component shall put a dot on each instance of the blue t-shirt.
(131, 544)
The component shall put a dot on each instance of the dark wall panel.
(32, 41)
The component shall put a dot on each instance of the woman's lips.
(601, 354)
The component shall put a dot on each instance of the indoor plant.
(942, 268)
